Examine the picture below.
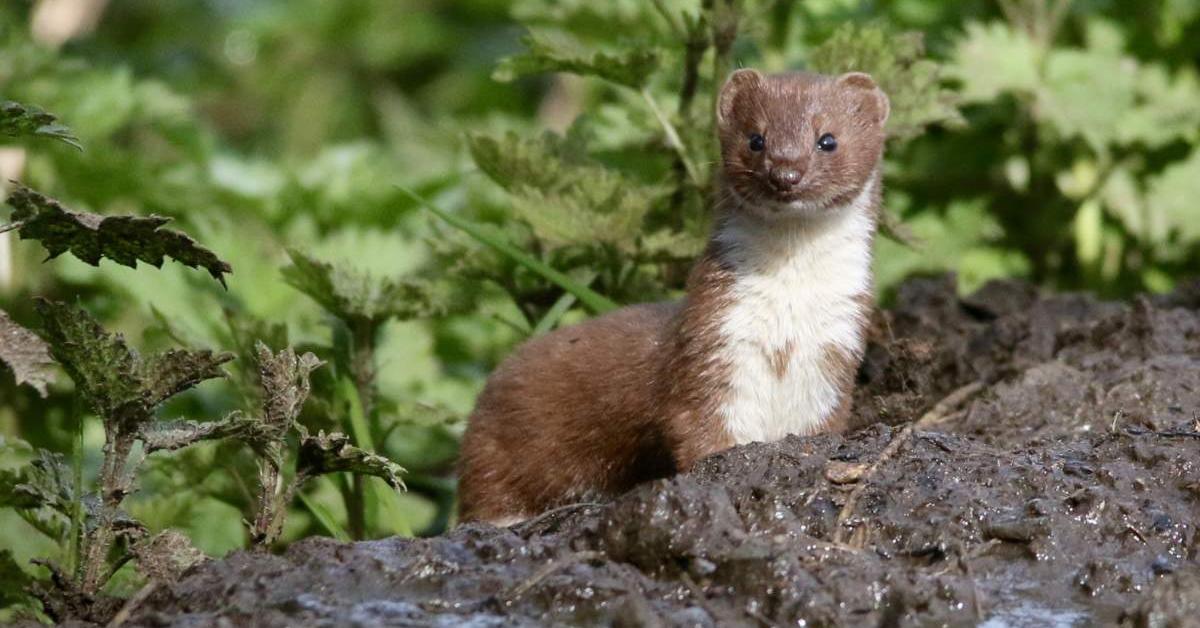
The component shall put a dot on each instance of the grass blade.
(591, 299)
(324, 517)
(558, 310)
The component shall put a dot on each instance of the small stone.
(840, 472)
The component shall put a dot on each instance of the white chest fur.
(795, 299)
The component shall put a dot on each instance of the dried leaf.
(117, 383)
(170, 373)
(356, 296)
(166, 556)
(122, 239)
(285, 384)
(172, 435)
(557, 52)
(333, 453)
(26, 354)
(18, 120)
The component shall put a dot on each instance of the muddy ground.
(1058, 483)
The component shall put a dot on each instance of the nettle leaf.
(898, 64)
(26, 354)
(992, 59)
(564, 196)
(1171, 198)
(356, 296)
(115, 381)
(91, 237)
(550, 51)
(333, 453)
(18, 120)
(46, 482)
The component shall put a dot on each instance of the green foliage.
(122, 239)
(558, 52)
(120, 385)
(17, 120)
(355, 296)
(566, 197)
(898, 64)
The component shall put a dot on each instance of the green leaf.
(898, 64)
(568, 199)
(992, 59)
(18, 120)
(115, 381)
(333, 453)
(355, 296)
(14, 583)
(26, 354)
(549, 51)
(1172, 198)
(593, 300)
(91, 237)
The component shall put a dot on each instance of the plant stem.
(113, 488)
(266, 520)
(362, 369)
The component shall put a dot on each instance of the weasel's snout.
(783, 179)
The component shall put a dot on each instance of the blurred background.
(1050, 140)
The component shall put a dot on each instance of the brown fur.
(592, 409)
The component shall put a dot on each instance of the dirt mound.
(1057, 482)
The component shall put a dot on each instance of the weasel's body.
(765, 344)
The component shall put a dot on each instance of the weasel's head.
(799, 144)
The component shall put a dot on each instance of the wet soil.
(1058, 483)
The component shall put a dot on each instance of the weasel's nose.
(784, 179)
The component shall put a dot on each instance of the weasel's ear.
(876, 101)
(739, 82)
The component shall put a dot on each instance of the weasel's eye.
(757, 142)
(827, 143)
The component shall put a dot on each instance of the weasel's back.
(568, 415)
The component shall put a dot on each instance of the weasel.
(766, 342)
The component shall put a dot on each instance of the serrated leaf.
(356, 296)
(18, 120)
(333, 453)
(115, 381)
(899, 66)
(549, 51)
(994, 58)
(122, 239)
(46, 482)
(25, 354)
(172, 372)
(568, 199)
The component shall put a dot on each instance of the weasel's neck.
(791, 328)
